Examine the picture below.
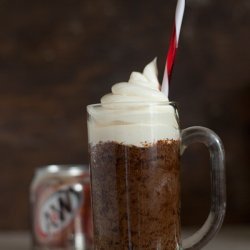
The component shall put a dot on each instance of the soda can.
(60, 208)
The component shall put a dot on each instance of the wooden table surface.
(230, 238)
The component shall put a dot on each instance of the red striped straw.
(173, 46)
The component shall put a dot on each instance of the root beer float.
(135, 144)
(134, 141)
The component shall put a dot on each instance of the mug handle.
(215, 218)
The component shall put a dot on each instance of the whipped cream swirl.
(134, 113)
(141, 87)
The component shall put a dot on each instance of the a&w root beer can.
(61, 211)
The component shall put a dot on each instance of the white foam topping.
(140, 87)
(134, 113)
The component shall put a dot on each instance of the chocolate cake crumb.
(135, 195)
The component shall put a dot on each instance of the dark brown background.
(58, 56)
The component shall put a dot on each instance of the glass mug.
(135, 153)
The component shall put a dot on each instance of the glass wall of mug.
(135, 168)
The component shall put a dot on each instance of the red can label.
(58, 211)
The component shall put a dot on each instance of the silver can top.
(58, 170)
(62, 169)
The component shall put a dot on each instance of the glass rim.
(151, 103)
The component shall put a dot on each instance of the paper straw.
(173, 46)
